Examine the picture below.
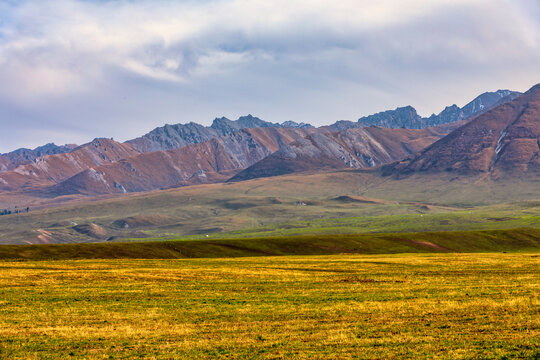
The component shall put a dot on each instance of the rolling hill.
(302, 203)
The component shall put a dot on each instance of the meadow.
(439, 306)
(503, 216)
(363, 271)
(342, 202)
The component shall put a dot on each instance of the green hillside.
(461, 241)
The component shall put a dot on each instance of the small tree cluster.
(15, 211)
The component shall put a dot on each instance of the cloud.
(122, 67)
(55, 47)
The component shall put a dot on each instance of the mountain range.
(213, 160)
(176, 136)
(351, 148)
(497, 133)
(504, 141)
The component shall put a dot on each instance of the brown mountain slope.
(51, 169)
(352, 148)
(210, 161)
(10, 161)
(504, 141)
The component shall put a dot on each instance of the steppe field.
(266, 270)
(437, 306)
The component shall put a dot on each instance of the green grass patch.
(527, 239)
(492, 218)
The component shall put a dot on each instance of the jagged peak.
(242, 122)
(504, 92)
(220, 120)
(407, 107)
(453, 106)
(294, 124)
(223, 118)
(398, 110)
(98, 142)
(248, 117)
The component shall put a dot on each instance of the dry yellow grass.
(447, 306)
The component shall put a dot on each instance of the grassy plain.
(503, 216)
(442, 306)
(265, 207)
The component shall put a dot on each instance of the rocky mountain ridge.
(352, 148)
(504, 141)
(11, 160)
(214, 160)
(171, 137)
(408, 117)
(182, 154)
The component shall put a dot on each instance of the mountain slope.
(488, 100)
(352, 148)
(38, 170)
(504, 141)
(11, 160)
(233, 151)
(50, 169)
(210, 161)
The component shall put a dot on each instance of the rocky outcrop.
(225, 126)
(171, 137)
(404, 117)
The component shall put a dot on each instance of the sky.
(73, 70)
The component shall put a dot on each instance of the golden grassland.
(442, 306)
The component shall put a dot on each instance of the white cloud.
(350, 57)
(55, 47)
